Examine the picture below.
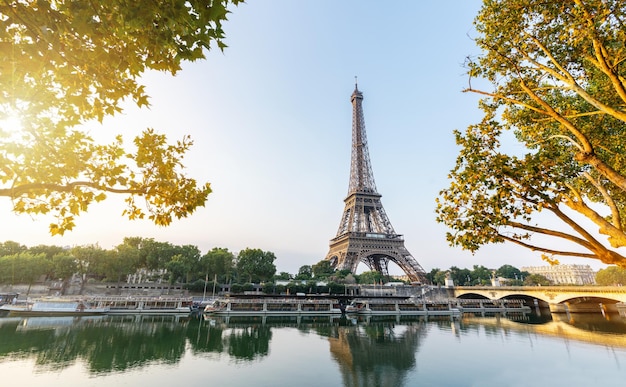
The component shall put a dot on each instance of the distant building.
(402, 278)
(565, 274)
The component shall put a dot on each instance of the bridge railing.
(572, 288)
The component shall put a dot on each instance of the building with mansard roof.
(565, 274)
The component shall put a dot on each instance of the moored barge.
(274, 306)
(401, 306)
(54, 308)
(145, 305)
(416, 307)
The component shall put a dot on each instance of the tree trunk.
(82, 286)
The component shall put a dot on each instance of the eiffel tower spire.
(361, 176)
(365, 233)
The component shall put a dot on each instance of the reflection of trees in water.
(18, 346)
(241, 341)
(249, 343)
(248, 337)
(369, 353)
(140, 343)
(376, 354)
(118, 343)
(105, 344)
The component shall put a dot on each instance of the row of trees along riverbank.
(175, 264)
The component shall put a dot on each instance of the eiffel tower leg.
(349, 261)
(413, 270)
(379, 264)
(384, 268)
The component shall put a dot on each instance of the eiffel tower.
(365, 233)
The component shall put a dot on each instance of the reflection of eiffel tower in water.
(377, 355)
(365, 233)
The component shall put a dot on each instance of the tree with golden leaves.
(66, 62)
(556, 79)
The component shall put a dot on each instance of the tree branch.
(617, 238)
(558, 234)
(24, 188)
(603, 168)
(587, 240)
(508, 99)
(615, 215)
(601, 57)
(549, 251)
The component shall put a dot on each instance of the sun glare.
(11, 124)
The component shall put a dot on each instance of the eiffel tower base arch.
(347, 252)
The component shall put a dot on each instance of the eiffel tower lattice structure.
(365, 233)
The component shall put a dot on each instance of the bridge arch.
(582, 298)
(528, 300)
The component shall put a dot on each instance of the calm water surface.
(154, 351)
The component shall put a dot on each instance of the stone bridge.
(558, 298)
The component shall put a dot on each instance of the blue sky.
(271, 121)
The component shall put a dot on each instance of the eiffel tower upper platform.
(365, 233)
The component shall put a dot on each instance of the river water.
(152, 351)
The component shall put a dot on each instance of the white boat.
(145, 305)
(401, 306)
(54, 308)
(279, 306)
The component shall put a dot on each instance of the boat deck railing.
(277, 300)
(143, 303)
(139, 298)
(453, 302)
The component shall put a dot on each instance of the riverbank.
(97, 289)
(155, 289)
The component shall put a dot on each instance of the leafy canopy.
(64, 63)
(611, 276)
(556, 72)
(256, 265)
